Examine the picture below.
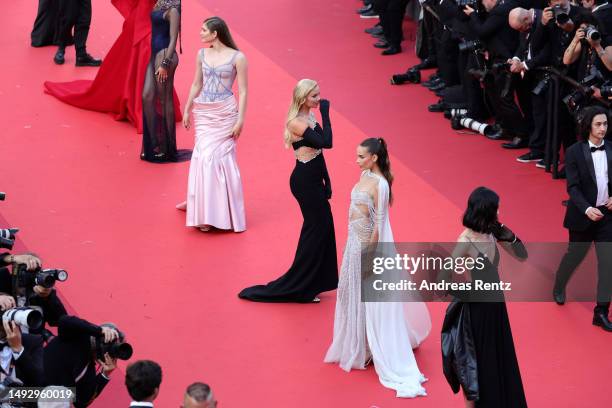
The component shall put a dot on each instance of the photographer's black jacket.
(68, 354)
(553, 37)
(29, 365)
(501, 40)
(539, 57)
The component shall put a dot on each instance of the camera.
(24, 316)
(579, 97)
(413, 75)
(542, 86)
(460, 121)
(606, 90)
(42, 277)
(591, 33)
(475, 4)
(2, 196)
(6, 243)
(470, 45)
(118, 350)
(8, 233)
(451, 113)
(560, 16)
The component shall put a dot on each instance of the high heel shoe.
(182, 206)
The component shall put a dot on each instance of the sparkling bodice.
(217, 81)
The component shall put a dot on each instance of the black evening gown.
(159, 125)
(315, 266)
(499, 383)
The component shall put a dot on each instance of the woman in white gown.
(385, 332)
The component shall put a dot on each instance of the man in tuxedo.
(525, 59)
(142, 380)
(589, 211)
(70, 360)
(199, 395)
(74, 14)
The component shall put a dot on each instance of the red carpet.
(86, 203)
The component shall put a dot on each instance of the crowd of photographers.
(515, 70)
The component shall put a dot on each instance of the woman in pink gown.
(214, 191)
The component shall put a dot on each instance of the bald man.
(530, 55)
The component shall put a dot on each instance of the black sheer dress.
(159, 125)
(478, 349)
(315, 266)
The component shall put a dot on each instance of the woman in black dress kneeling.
(315, 267)
(477, 346)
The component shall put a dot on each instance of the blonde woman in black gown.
(315, 266)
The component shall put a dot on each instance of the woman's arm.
(174, 17)
(196, 87)
(573, 50)
(243, 90)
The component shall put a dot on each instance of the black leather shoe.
(392, 50)
(438, 86)
(87, 60)
(497, 135)
(516, 143)
(437, 107)
(601, 319)
(427, 63)
(382, 44)
(559, 296)
(376, 30)
(59, 56)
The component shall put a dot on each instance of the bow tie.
(594, 149)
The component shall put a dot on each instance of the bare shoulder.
(240, 57)
(297, 126)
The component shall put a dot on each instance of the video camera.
(42, 277)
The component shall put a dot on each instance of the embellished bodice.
(363, 214)
(217, 81)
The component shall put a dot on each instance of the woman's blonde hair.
(301, 91)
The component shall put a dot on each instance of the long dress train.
(388, 331)
(315, 266)
(478, 348)
(118, 85)
(214, 190)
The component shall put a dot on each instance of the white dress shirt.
(600, 161)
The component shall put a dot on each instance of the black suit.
(68, 354)
(582, 189)
(604, 16)
(533, 58)
(74, 14)
(502, 41)
(29, 365)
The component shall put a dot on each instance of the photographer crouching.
(83, 355)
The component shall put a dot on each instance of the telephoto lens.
(8, 233)
(47, 277)
(24, 316)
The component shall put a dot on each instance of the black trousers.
(391, 13)
(537, 138)
(579, 244)
(500, 88)
(74, 14)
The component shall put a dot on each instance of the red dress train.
(117, 88)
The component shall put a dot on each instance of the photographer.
(45, 298)
(21, 356)
(70, 359)
(501, 41)
(525, 60)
